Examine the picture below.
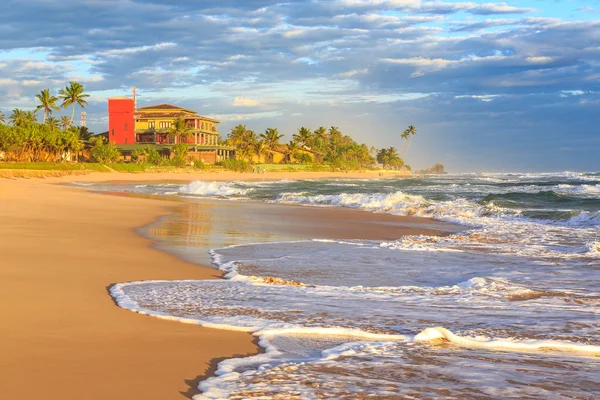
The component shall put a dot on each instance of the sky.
(490, 86)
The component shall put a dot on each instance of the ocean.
(509, 307)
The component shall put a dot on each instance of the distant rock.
(437, 169)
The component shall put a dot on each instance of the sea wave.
(207, 188)
(440, 333)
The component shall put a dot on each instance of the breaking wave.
(205, 188)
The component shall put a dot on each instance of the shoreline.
(144, 379)
(187, 175)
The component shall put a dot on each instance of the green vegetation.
(50, 166)
(147, 155)
(390, 158)
(104, 153)
(236, 165)
(30, 141)
(329, 147)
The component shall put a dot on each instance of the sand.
(62, 336)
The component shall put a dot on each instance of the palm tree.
(244, 139)
(271, 139)
(65, 122)
(303, 137)
(321, 133)
(389, 158)
(180, 129)
(408, 135)
(53, 122)
(259, 149)
(71, 95)
(17, 118)
(1, 117)
(30, 117)
(47, 103)
(292, 149)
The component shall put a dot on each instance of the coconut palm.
(65, 122)
(17, 118)
(292, 149)
(244, 139)
(303, 137)
(71, 95)
(47, 103)
(260, 149)
(389, 158)
(1, 117)
(407, 135)
(271, 139)
(53, 122)
(30, 117)
(180, 129)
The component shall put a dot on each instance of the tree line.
(323, 145)
(23, 138)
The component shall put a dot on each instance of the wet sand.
(62, 336)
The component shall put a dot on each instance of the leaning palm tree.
(47, 103)
(407, 135)
(53, 122)
(65, 122)
(71, 95)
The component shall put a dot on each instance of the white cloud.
(245, 102)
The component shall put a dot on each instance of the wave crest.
(205, 188)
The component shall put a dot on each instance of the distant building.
(130, 128)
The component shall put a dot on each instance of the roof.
(175, 113)
(165, 107)
(120, 98)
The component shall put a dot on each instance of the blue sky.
(494, 86)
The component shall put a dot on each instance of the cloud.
(245, 102)
(370, 64)
(588, 9)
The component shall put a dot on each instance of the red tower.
(121, 124)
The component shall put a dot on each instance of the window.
(126, 127)
(151, 124)
(113, 132)
(163, 125)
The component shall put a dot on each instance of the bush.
(178, 161)
(236, 165)
(105, 153)
(148, 155)
(199, 164)
(180, 149)
(303, 158)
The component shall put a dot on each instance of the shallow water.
(508, 308)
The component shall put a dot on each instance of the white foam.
(437, 333)
(207, 188)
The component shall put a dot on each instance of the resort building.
(130, 127)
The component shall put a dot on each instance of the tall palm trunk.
(73, 115)
(407, 146)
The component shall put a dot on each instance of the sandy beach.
(62, 336)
